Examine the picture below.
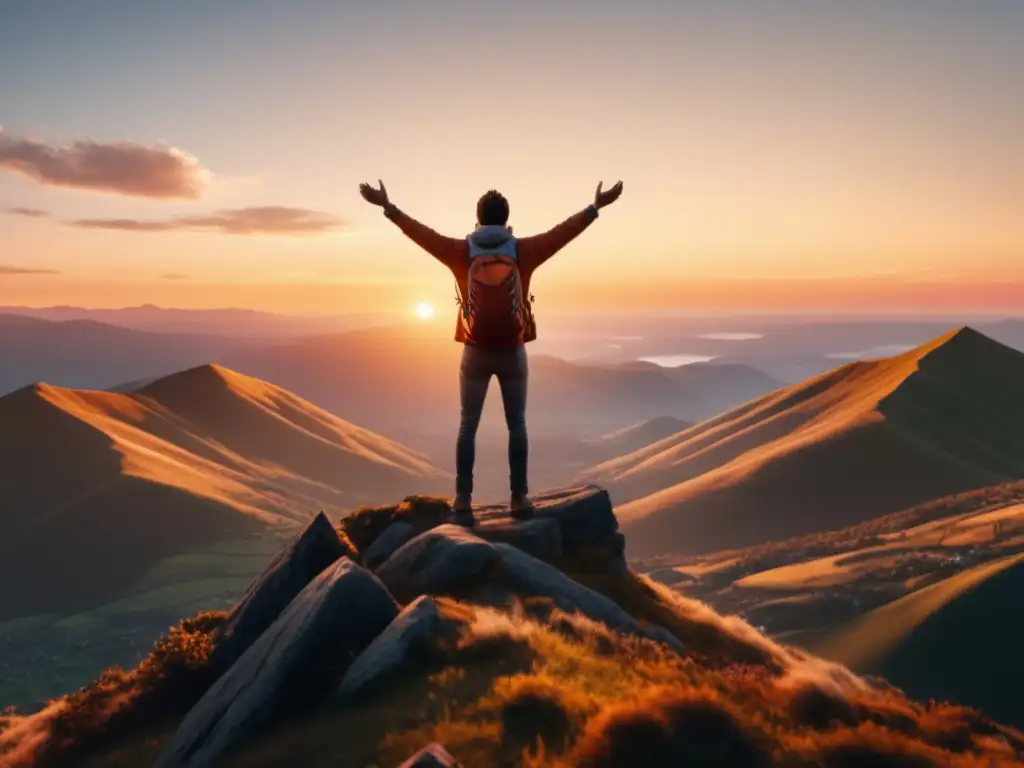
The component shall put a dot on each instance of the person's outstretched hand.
(374, 196)
(609, 196)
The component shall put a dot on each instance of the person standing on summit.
(492, 270)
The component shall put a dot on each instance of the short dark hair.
(492, 208)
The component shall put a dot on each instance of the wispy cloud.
(31, 213)
(174, 276)
(124, 167)
(267, 220)
(8, 269)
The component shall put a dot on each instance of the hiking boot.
(462, 510)
(520, 506)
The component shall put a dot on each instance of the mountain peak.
(967, 348)
(206, 378)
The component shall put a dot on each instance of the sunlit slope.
(863, 440)
(969, 626)
(97, 485)
(275, 429)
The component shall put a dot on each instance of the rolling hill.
(863, 440)
(946, 641)
(97, 486)
(922, 597)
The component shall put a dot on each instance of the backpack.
(493, 311)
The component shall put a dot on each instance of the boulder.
(394, 536)
(432, 756)
(295, 662)
(436, 562)
(392, 648)
(541, 537)
(523, 575)
(297, 565)
(584, 514)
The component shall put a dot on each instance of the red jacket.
(453, 252)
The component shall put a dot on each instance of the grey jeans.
(512, 371)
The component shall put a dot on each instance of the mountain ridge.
(933, 421)
(198, 456)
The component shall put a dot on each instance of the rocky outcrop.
(541, 537)
(450, 560)
(432, 756)
(309, 553)
(436, 562)
(394, 536)
(290, 666)
(584, 515)
(393, 648)
(316, 625)
(521, 575)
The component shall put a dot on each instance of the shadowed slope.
(863, 440)
(629, 439)
(951, 640)
(103, 484)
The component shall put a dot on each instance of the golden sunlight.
(424, 311)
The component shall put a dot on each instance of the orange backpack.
(493, 312)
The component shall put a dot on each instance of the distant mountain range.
(402, 377)
(92, 355)
(230, 322)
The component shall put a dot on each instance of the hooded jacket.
(454, 253)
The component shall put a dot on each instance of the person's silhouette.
(492, 270)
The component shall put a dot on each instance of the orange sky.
(850, 159)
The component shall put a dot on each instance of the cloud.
(7, 269)
(124, 167)
(267, 220)
(32, 213)
(174, 276)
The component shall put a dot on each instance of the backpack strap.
(463, 305)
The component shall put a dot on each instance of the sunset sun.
(424, 310)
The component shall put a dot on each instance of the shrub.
(173, 677)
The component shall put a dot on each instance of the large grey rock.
(293, 663)
(541, 537)
(393, 647)
(432, 756)
(287, 575)
(394, 536)
(436, 562)
(584, 514)
(523, 575)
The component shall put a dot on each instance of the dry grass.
(362, 526)
(509, 690)
(165, 685)
(515, 692)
